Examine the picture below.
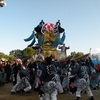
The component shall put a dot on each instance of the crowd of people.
(49, 76)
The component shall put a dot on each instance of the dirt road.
(6, 95)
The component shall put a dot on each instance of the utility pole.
(67, 49)
(90, 52)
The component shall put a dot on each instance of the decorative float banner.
(2, 3)
(47, 34)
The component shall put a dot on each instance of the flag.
(62, 39)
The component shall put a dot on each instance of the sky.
(79, 18)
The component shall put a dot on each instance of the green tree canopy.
(28, 52)
(77, 54)
(17, 53)
(10, 58)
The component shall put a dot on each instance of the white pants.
(88, 90)
(28, 88)
(65, 82)
(53, 96)
(59, 87)
(18, 84)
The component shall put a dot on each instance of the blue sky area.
(79, 18)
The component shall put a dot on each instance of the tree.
(11, 58)
(73, 54)
(28, 52)
(23, 54)
(17, 53)
(77, 54)
(2, 55)
(7, 57)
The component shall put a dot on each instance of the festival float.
(48, 36)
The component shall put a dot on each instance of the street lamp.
(2, 3)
